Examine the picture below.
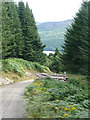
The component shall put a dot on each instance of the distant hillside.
(52, 33)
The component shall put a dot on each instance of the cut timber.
(53, 76)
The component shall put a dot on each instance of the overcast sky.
(53, 10)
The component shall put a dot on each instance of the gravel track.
(12, 102)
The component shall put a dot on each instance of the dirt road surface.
(12, 102)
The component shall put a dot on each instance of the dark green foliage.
(89, 40)
(11, 31)
(33, 48)
(0, 30)
(56, 65)
(20, 35)
(75, 55)
(22, 17)
(57, 53)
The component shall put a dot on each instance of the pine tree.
(20, 33)
(75, 55)
(22, 18)
(6, 33)
(89, 39)
(33, 48)
(11, 31)
(16, 28)
(55, 65)
(0, 30)
(57, 53)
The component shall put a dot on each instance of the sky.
(53, 10)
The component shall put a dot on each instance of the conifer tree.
(6, 33)
(0, 30)
(55, 65)
(11, 29)
(20, 33)
(89, 39)
(75, 55)
(57, 53)
(33, 48)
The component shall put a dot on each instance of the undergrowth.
(19, 66)
(49, 98)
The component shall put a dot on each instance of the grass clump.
(19, 66)
(49, 98)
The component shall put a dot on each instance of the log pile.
(53, 76)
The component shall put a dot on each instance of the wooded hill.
(52, 33)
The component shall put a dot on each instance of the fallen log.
(53, 76)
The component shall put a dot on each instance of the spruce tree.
(89, 39)
(37, 46)
(6, 33)
(75, 54)
(11, 31)
(22, 18)
(0, 30)
(33, 48)
(57, 53)
(20, 34)
(55, 65)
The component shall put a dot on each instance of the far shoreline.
(48, 52)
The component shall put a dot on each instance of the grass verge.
(18, 69)
(49, 98)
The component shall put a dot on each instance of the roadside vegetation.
(16, 68)
(49, 98)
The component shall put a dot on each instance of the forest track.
(12, 102)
